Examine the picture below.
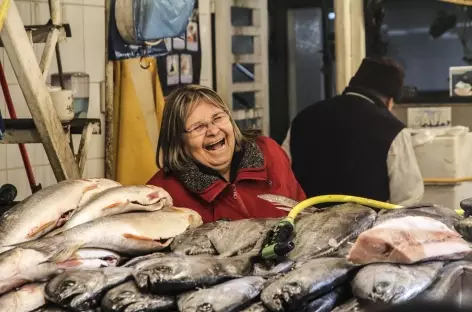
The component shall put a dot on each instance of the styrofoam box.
(446, 157)
(449, 195)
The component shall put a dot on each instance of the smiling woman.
(210, 166)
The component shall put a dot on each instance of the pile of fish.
(96, 245)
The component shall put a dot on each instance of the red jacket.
(264, 169)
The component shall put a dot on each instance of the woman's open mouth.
(218, 145)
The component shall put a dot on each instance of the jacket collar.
(209, 184)
(368, 96)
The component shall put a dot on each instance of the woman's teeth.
(216, 146)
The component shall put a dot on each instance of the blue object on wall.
(159, 19)
(118, 49)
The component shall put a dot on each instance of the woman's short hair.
(171, 155)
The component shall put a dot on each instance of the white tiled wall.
(85, 52)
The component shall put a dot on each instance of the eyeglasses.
(201, 128)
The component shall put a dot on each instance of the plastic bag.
(118, 49)
(140, 21)
(425, 135)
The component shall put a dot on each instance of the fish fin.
(114, 205)
(38, 229)
(65, 251)
(163, 242)
(137, 237)
(90, 188)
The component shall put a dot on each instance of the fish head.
(127, 297)
(76, 289)
(383, 283)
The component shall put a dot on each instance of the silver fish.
(80, 290)
(392, 283)
(21, 266)
(128, 298)
(443, 287)
(195, 241)
(311, 280)
(226, 297)
(135, 233)
(442, 214)
(118, 200)
(172, 274)
(464, 228)
(42, 212)
(24, 299)
(323, 233)
(241, 236)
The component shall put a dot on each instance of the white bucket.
(63, 103)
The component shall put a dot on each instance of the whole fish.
(443, 288)
(118, 200)
(195, 241)
(323, 233)
(134, 233)
(173, 273)
(141, 261)
(408, 240)
(128, 298)
(42, 212)
(24, 299)
(226, 297)
(311, 280)
(392, 283)
(442, 214)
(21, 266)
(81, 290)
(241, 236)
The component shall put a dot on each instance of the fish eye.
(68, 283)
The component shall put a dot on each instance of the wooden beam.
(110, 171)
(29, 76)
(24, 131)
(349, 39)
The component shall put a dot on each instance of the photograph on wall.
(172, 69)
(178, 43)
(460, 81)
(186, 69)
(192, 36)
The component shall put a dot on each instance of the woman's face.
(210, 144)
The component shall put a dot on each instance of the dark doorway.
(301, 58)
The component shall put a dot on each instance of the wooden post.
(30, 78)
(110, 171)
(349, 39)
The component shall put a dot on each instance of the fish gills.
(226, 297)
(311, 280)
(128, 298)
(392, 283)
(195, 241)
(408, 240)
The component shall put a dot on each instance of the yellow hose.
(339, 199)
(4, 6)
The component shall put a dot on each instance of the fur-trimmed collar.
(197, 180)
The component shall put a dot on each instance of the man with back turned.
(352, 144)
